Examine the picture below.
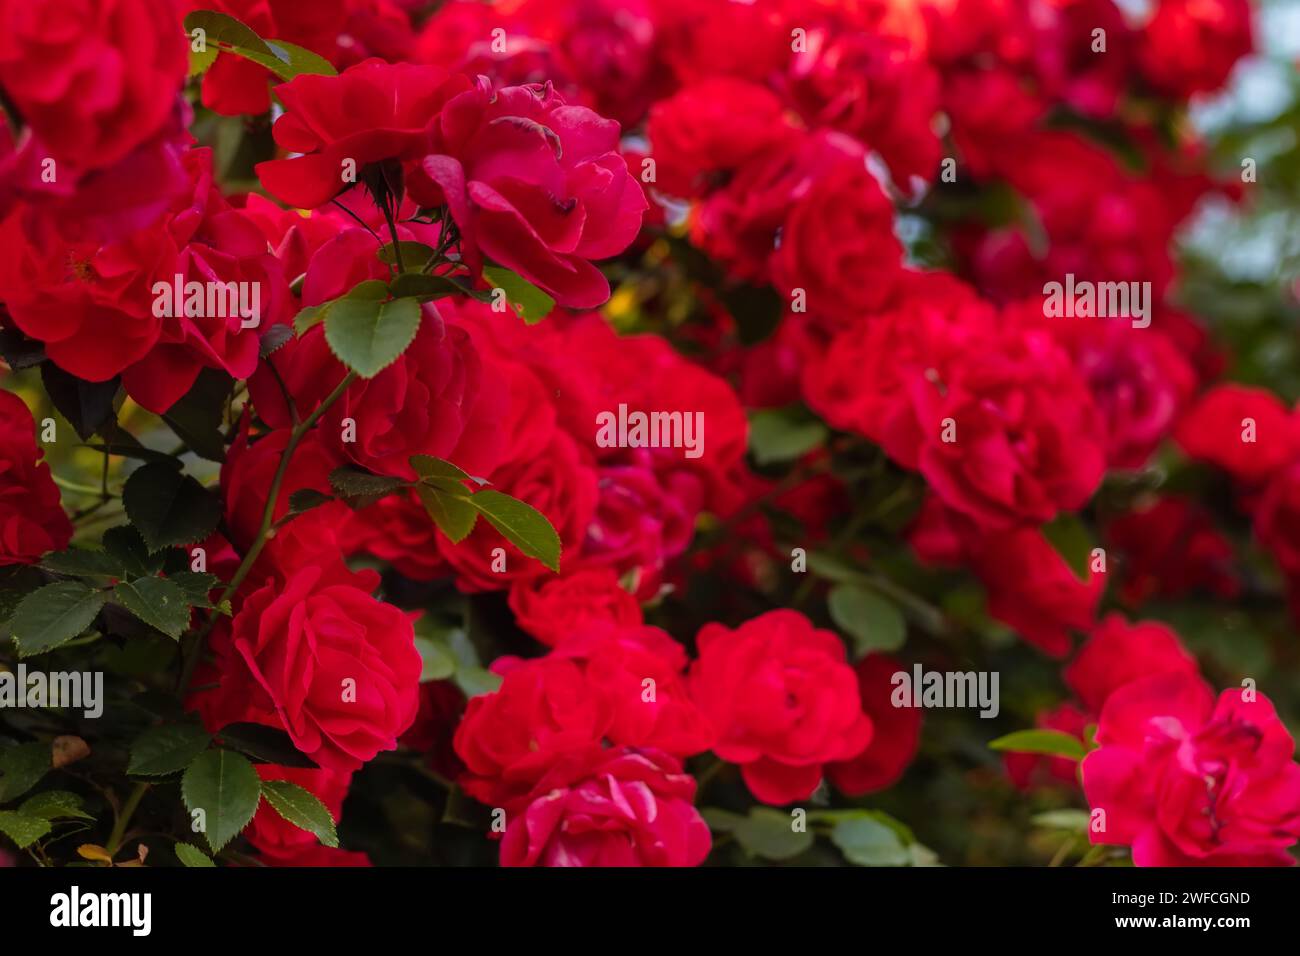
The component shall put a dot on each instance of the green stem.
(268, 519)
(82, 489)
(124, 818)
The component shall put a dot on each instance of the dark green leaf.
(276, 337)
(190, 855)
(157, 602)
(21, 767)
(453, 514)
(415, 255)
(18, 351)
(359, 488)
(196, 585)
(86, 405)
(302, 808)
(304, 499)
(1049, 742)
(168, 507)
(167, 749)
(196, 417)
(226, 788)
(263, 744)
(125, 545)
(24, 830)
(81, 563)
(1067, 534)
(53, 615)
(54, 805)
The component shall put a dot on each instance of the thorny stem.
(263, 531)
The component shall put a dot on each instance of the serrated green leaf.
(1052, 743)
(530, 302)
(22, 829)
(415, 255)
(53, 615)
(226, 788)
(166, 749)
(21, 767)
(157, 602)
(190, 855)
(427, 466)
(196, 585)
(54, 805)
(453, 514)
(226, 34)
(276, 338)
(169, 507)
(304, 499)
(83, 563)
(872, 621)
(360, 489)
(523, 525)
(302, 808)
(126, 546)
(368, 336)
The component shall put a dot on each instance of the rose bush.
(577, 432)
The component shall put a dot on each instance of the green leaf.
(302, 808)
(22, 829)
(360, 488)
(86, 405)
(169, 507)
(196, 585)
(157, 602)
(415, 255)
(21, 767)
(304, 499)
(721, 821)
(229, 35)
(867, 842)
(126, 546)
(777, 435)
(873, 622)
(476, 681)
(53, 615)
(309, 316)
(190, 855)
(1073, 821)
(770, 834)
(439, 664)
(453, 514)
(82, 563)
(530, 302)
(522, 524)
(368, 336)
(166, 749)
(1067, 534)
(426, 288)
(264, 745)
(54, 805)
(197, 415)
(426, 466)
(276, 338)
(226, 788)
(1051, 743)
(299, 60)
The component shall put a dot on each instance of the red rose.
(337, 669)
(552, 607)
(369, 113)
(248, 470)
(32, 520)
(638, 671)
(896, 736)
(93, 78)
(431, 401)
(535, 185)
(709, 128)
(1007, 436)
(784, 701)
(1118, 653)
(398, 530)
(510, 738)
(1277, 516)
(1168, 548)
(1246, 431)
(1188, 782)
(623, 807)
(1190, 46)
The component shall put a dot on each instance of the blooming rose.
(93, 78)
(711, 128)
(535, 185)
(896, 736)
(32, 520)
(398, 530)
(1246, 431)
(248, 470)
(1190, 46)
(783, 699)
(1008, 436)
(551, 608)
(1186, 781)
(1170, 547)
(622, 807)
(1117, 653)
(371, 112)
(337, 669)
(1277, 515)
(509, 738)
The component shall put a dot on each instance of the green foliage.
(226, 788)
